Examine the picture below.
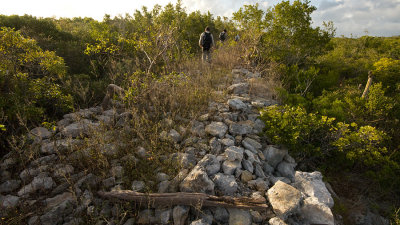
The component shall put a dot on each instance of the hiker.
(237, 38)
(206, 42)
(222, 36)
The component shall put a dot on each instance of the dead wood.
(155, 200)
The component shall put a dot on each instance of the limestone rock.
(237, 104)
(234, 153)
(217, 129)
(226, 184)
(180, 214)
(237, 89)
(227, 142)
(197, 181)
(9, 201)
(9, 186)
(248, 166)
(40, 133)
(239, 217)
(274, 155)
(246, 176)
(210, 163)
(316, 212)
(163, 216)
(138, 186)
(229, 167)
(277, 221)
(284, 199)
(286, 169)
(241, 128)
(251, 144)
(312, 185)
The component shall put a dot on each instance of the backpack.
(207, 41)
(222, 36)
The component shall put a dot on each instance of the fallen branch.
(199, 200)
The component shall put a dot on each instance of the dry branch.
(154, 200)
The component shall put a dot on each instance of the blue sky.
(350, 17)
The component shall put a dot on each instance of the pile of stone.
(221, 154)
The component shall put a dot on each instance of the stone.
(237, 89)
(204, 117)
(200, 222)
(276, 179)
(86, 198)
(274, 155)
(40, 133)
(57, 200)
(289, 159)
(197, 129)
(241, 128)
(163, 186)
(180, 214)
(41, 182)
(227, 142)
(130, 221)
(163, 215)
(221, 215)
(78, 129)
(259, 171)
(316, 212)
(175, 136)
(146, 217)
(248, 166)
(226, 184)
(259, 126)
(276, 221)
(246, 176)
(286, 169)
(141, 152)
(215, 146)
(267, 168)
(216, 129)
(51, 147)
(9, 186)
(62, 171)
(251, 144)
(161, 177)
(261, 185)
(234, 153)
(210, 163)
(229, 167)
(174, 185)
(109, 182)
(312, 185)
(45, 160)
(57, 213)
(9, 201)
(33, 220)
(257, 218)
(184, 159)
(249, 156)
(258, 195)
(197, 181)
(117, 171)
(239, 217)
(237, 104)
(284, 199)
(138, 186)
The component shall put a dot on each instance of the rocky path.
(222, 154)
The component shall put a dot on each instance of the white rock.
(312, 185)
(277, 221)
(285, 199)
(237, 104)
(234, 153)
(225, 183)
(41, 133)
(217, 129)
(229, 167)
(286, 169)
(316, 212)
(239, 217)
(197, 181)
(241, 128)
(9, 201)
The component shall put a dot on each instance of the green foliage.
(302, 132)
(309, 135)
(29, 81)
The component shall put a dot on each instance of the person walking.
(223, 36)
(206, 42)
